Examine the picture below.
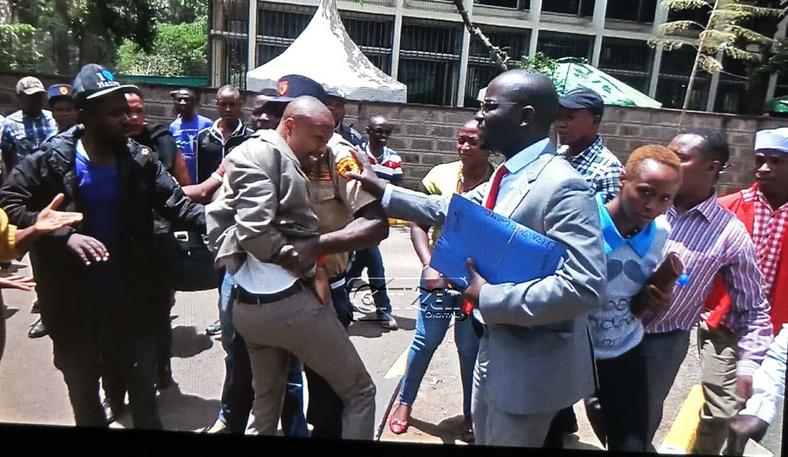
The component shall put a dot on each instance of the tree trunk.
(61, 42)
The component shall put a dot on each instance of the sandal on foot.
(397, 426)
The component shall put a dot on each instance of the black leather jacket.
(65, 286)
(210, 149)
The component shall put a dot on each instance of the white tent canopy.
(325, 53)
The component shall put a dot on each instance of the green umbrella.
(777, 105)
(571, 73)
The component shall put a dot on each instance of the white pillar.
(660, 16)
(464, 53)
(600, 9)
(534, 13)
(217, 45)
(713, 86)
(251, 39)
(395, 43)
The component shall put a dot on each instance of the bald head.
(517, 111)
(528, 88)
(307, 107)
(306, 127)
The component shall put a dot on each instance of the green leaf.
(749, 35)
(670, 28)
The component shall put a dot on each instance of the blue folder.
(502, 250)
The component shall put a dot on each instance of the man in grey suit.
(535, 356)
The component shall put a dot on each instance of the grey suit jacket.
(263, 202)
(540, 355)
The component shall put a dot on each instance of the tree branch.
(497, 54)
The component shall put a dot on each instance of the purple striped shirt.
(710, 239)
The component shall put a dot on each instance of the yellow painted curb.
(397, 369)
(681, 437)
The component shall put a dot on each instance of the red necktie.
(492, 197)
(495, 187)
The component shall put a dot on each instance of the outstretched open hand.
(19, 282)
(50, 220)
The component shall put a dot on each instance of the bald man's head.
(306, 127)
(518, 109)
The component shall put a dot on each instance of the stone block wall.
(424, 135)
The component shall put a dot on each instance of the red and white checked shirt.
(767, 234)
(710, 240)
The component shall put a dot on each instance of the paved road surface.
(33, 390)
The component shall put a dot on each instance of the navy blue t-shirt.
(98, 192)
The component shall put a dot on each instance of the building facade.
(425, 45)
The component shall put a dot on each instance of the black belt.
(239, 295)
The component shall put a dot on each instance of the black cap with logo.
(94, 81)
(290, 87)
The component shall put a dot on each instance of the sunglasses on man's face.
(492, 105)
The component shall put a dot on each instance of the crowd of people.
(293, 206)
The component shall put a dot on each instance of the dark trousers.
(121, 353)
(161, 338)
(325, 407)
(162, 331)
(663, 354)
(78, 359)
(237, 391)
(371, 260)
(623, 395)
(128, 360)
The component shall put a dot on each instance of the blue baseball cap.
(583, 98)
(290, 87)
(60, 90)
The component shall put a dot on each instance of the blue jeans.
(370, 259)
(237, 392)
(435, 313)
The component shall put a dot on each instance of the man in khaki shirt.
(264, 231)
(349, 215)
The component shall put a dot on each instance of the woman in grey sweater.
(635, 231)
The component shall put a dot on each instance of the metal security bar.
(481, 69)
(516, 4)
(236, 65)
(580, 8)
(628, 60)
(429, 61)
(557, 45)
(632, 10)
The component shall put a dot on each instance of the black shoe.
(386, 320)
(214, 329)
(37, 330)
(36, 308)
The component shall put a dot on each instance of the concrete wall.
(424, 135)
